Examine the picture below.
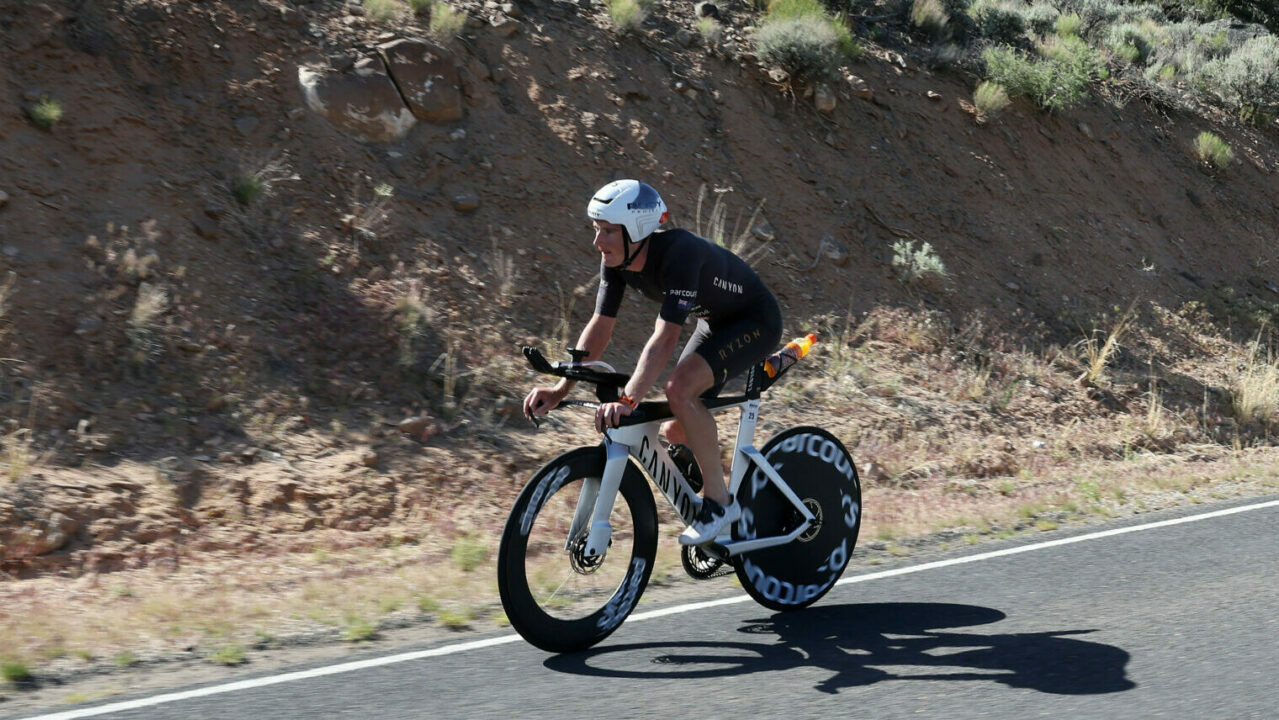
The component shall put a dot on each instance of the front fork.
(595, 504)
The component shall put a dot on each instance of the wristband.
(628, 401)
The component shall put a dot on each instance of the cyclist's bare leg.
(691, 377)
(673, 433)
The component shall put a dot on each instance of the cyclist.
(738, 325)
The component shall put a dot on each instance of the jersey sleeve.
(608, 299)
(682, 270)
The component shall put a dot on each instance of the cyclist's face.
(610, 241)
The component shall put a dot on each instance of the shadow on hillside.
(868, 643)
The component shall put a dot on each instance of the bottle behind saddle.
(784, 358)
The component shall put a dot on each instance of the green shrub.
(959, 25)
(779, 10)
(791, 9)
(247, 189)
(1041, 18)
(1129, 42)
(990, 99)
(421, 7)
(913, 265)
(382, 11)
(229, 655)
(1213, 150)
(468, 553)
(627, 15)
(998, 21)
(446, 21)
(711, 31)
(1094, 16)
(1248, 79)
(807, 48)
(15, 672)
(1056, 82)
(358, 629)
(1067, 25)
(930, 16)
(46, 113)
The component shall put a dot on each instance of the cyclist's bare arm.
(657, 351)
(652, 361)
(594, 339)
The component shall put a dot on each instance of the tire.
(556, 600)
(819, 469)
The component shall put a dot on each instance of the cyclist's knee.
(682, 388)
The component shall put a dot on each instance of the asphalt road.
(1178, 621)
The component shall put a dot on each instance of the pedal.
(683, 458)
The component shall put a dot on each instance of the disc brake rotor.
(582, 564)
(815, 508)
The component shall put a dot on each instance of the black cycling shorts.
(733, 345)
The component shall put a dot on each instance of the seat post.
(754, 386)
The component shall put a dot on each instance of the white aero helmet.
(632, 204)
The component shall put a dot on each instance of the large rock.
(362, 101)
(427, 75)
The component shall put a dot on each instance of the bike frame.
(640, 442)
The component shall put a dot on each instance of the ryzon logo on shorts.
(737, 344)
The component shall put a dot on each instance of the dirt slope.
(260, 398)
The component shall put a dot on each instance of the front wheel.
(818, 468)
(555, 596)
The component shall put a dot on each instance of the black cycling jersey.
(687, 274)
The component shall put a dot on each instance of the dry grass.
(959, 427)
(446, 21)
(143, 331)
(1099, 346)
(384, 11)
(338, 593)
(714, 227)
(627, 15)
(1254, 385)
(990, 99)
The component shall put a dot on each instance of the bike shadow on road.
(862, 644)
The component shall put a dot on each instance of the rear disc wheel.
(819, 469)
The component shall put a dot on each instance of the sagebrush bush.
(1130, 42)
(1213, 150)
(913, 264)
(809, 48)
(1056, 82)
(1094, 16)
(446, 21)
(1248, 79)
(247, 189)
(998, 21)
(990, 99)
(1067, 25)
(711, 31)
(1254, 386)
(46, 113)
(1041, 18)
(959, 24)
(383, 11)
(930, 16)
(627, 15)
(790, 9)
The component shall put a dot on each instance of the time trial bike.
(579, 545)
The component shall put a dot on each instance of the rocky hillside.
(226, 293)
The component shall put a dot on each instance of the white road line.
(637, 617)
